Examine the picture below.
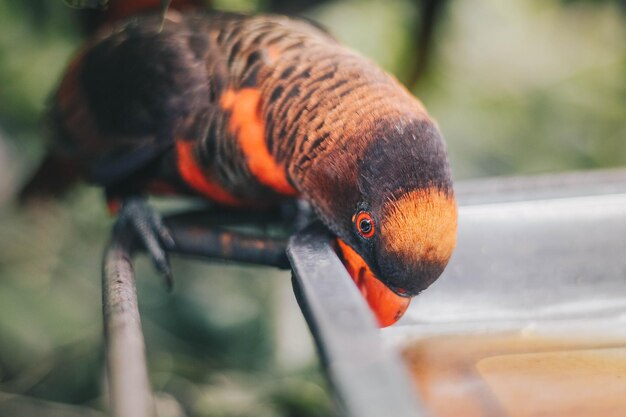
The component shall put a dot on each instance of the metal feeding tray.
(529, 317)
(527, 320)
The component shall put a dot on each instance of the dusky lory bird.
(253, 111)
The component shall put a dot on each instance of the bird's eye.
(365, 224)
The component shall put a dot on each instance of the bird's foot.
(151, 231)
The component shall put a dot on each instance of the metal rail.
(127, 371)
(368, 379)
(195, 237)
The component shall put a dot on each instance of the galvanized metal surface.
(539, 262)
(549, 186)
(532, 252)
(369, 380)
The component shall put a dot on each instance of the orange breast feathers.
(196, 177)
(246, 125)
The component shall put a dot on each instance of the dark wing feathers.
(144, 90)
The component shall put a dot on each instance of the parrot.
(250, 112)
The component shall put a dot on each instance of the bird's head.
(399, 247)
(388, 197)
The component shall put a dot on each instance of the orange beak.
(387, 306)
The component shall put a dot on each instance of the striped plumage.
(253, 110)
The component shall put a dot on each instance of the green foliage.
(531, 87)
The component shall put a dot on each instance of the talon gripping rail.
(368, 379)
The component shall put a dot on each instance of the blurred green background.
(518, 87)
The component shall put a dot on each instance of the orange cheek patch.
(196, 178)
(387, 306)
(247, 126)
(421, 225)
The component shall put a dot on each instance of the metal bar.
(369, 379)
(217, 243)
(129, 387)
(551, 186)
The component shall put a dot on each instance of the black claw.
(169, 281)
(162, 230)
(152, 232)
